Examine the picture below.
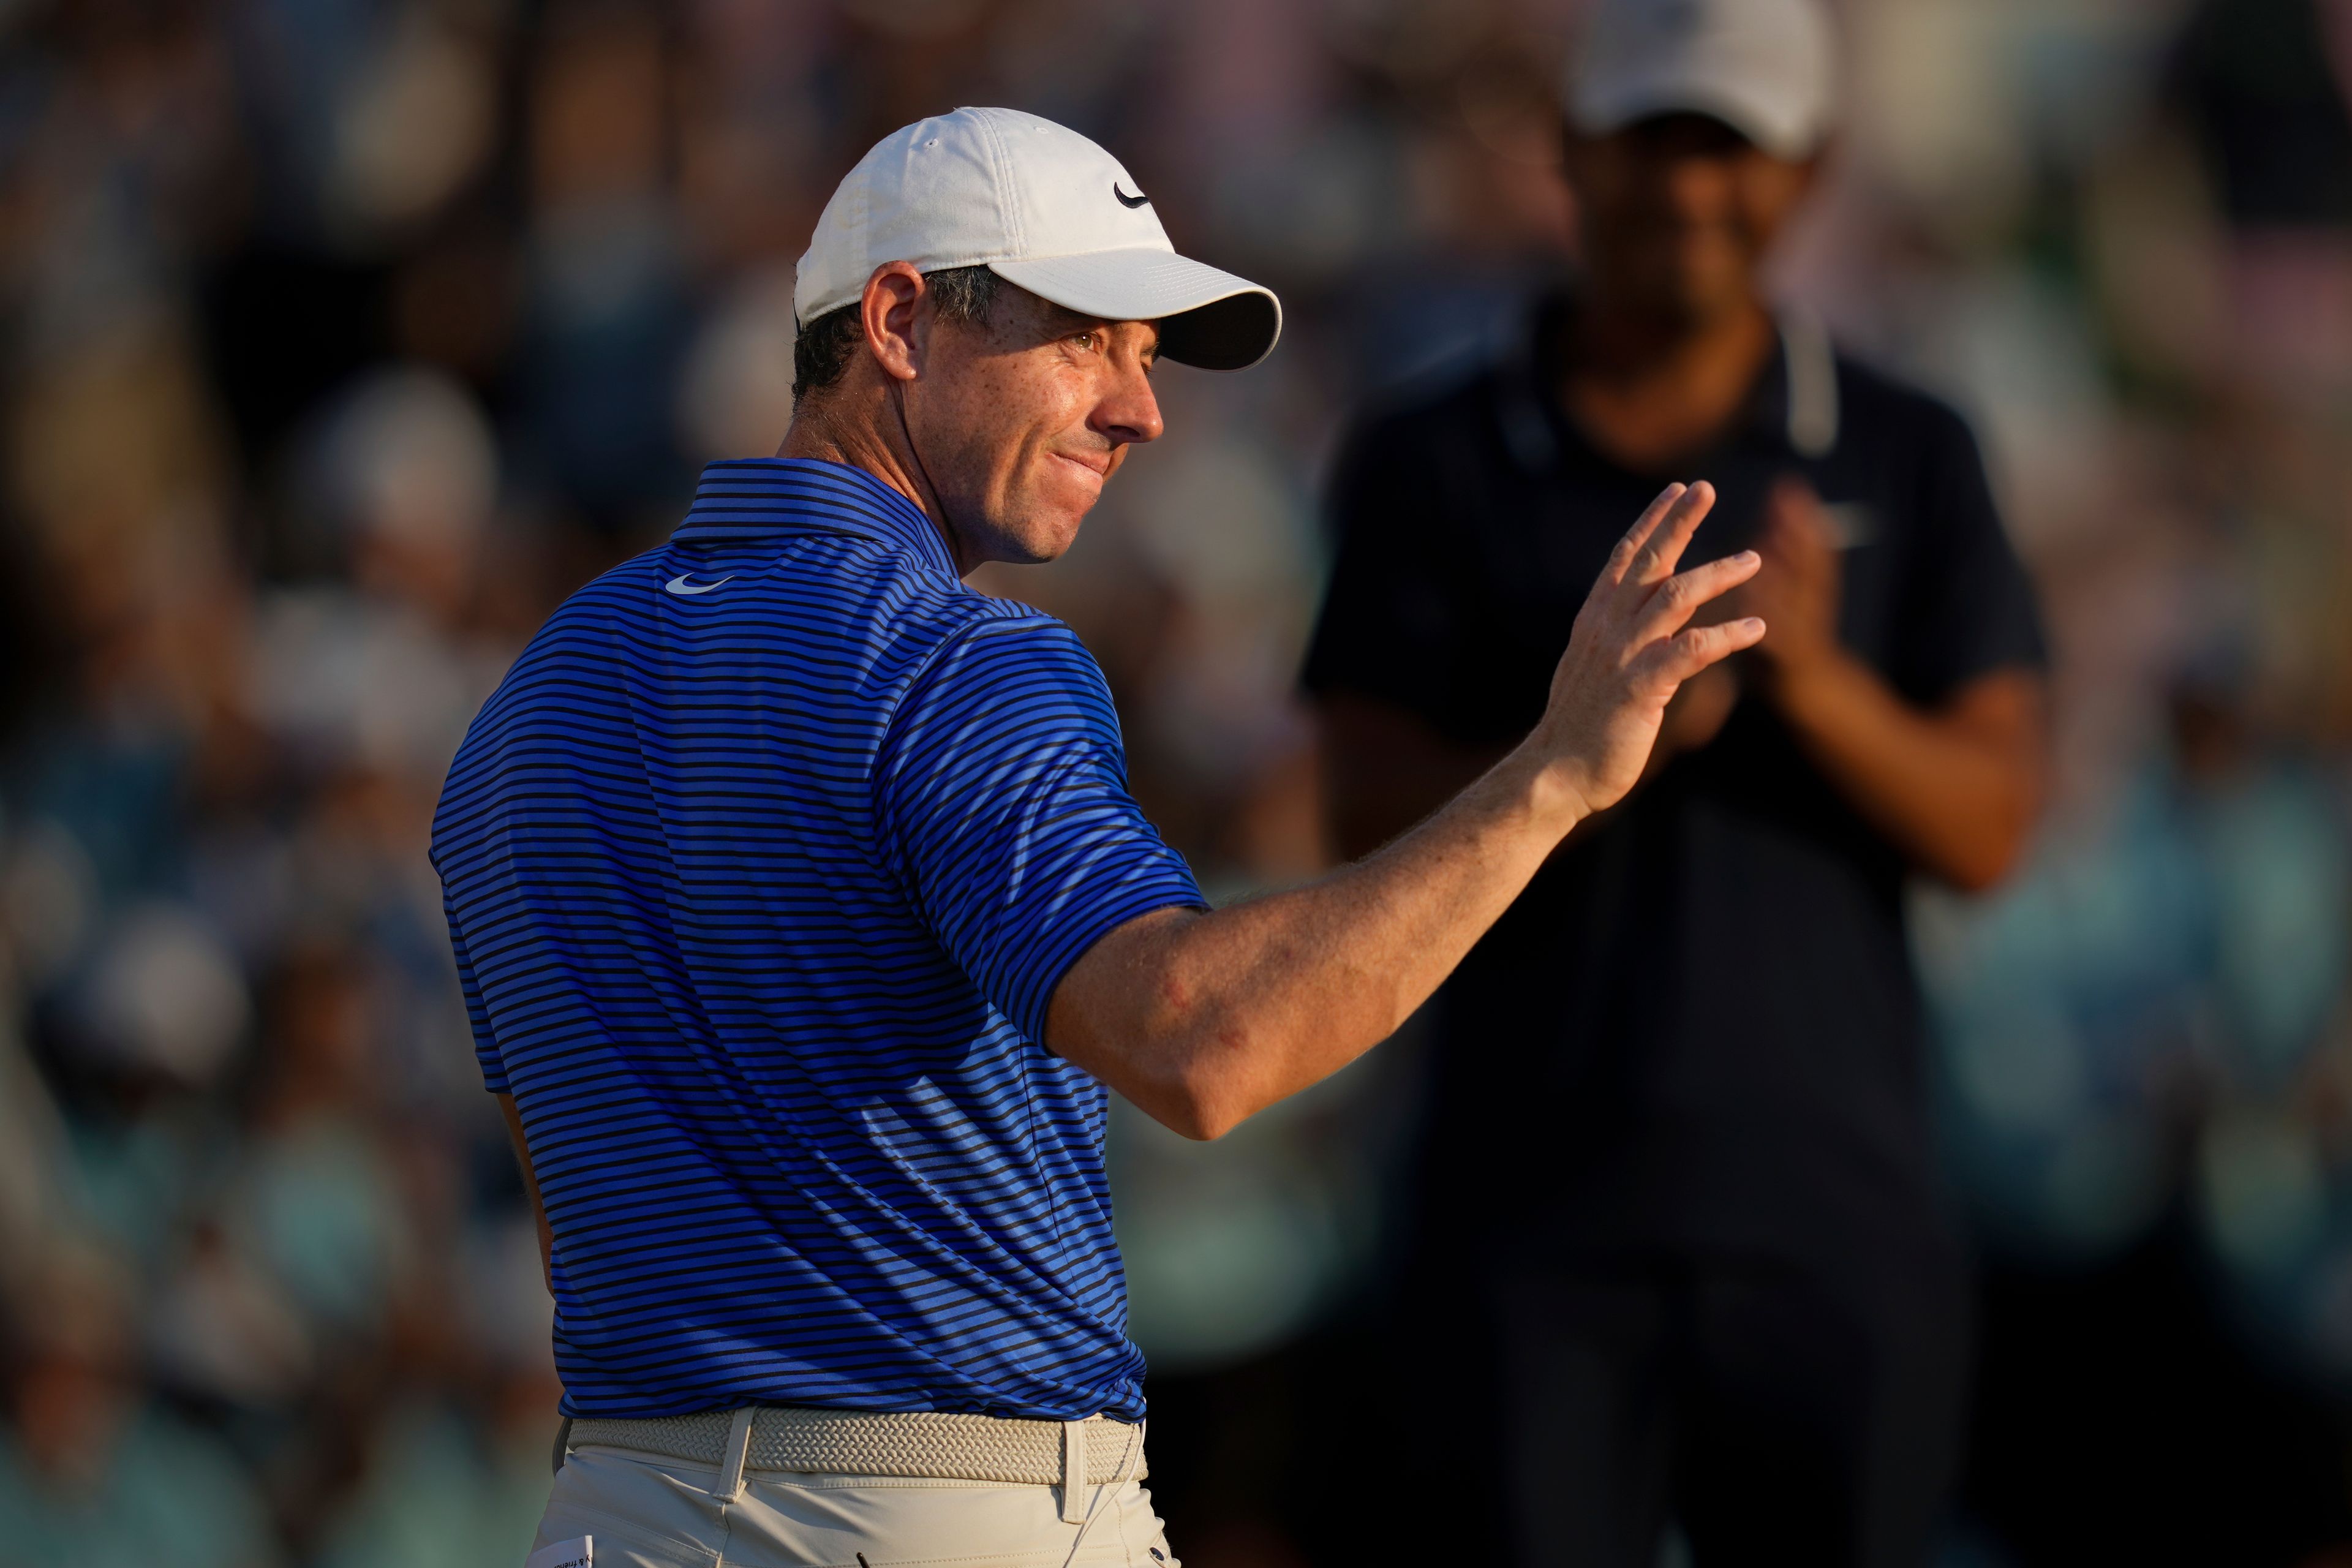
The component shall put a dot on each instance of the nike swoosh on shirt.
(680, 585)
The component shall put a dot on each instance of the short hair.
(821, 353)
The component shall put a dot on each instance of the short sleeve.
(1969, 606)
(1394, 620)
(1001, 802)
(486, 1045)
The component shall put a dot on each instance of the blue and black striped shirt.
(761, 866)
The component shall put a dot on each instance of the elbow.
(1198, 1105)
(1973, 880)
(1207, 1121)
(1979, 868)
(1996, 836)
(1188, 1114)
(1983, 865)
(1201, 1094)
(1197, 1123)
(1229, 1068)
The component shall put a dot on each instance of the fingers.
(1686, 653)
(1680, 597)
(1664, 542)
(1621, 557)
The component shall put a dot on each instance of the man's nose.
(1129, 410)
(1697, 186)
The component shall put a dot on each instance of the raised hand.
(1203, 1019)
(1633, 645)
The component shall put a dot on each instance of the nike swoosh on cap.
(948, 191)
(680, 585)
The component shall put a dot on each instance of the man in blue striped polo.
(803, 916)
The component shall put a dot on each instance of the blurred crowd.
(344, 337)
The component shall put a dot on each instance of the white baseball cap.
(1044, 209)
(1768, 68)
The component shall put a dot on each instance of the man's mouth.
(1098, 466)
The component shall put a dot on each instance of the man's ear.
(896, 329)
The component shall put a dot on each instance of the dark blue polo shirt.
(1698, 1028)
(761, 866)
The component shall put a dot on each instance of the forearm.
(1956, 789)
(1202, 1020)
(1235, 1010)
(1386, 769)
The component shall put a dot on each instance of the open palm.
(1633, 645)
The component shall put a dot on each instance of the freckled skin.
(1004, 431)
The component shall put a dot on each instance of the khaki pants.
(644, 1511)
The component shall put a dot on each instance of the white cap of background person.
(1768, 68)
(1044, 209)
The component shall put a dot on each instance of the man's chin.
(1056, 544)
(1045, 535)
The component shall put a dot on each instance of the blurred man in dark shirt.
(1678, 1174)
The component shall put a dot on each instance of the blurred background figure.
(340, 341)
(91, 1471)
(1678, 1186)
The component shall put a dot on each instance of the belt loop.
(738, 1449)
(1074, 1472)
(562, 1443)
(1129, 1460)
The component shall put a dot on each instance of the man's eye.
(1085, 340)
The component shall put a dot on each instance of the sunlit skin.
(1004, 432)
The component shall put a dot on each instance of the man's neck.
(879, 448)
(1649, 393)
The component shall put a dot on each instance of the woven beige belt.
(926, 1445)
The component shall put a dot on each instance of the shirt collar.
(746, 498)
(1792, 405)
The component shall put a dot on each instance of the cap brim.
(1207, 318)
(1609, 109)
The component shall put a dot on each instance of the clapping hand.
(1799, 588)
